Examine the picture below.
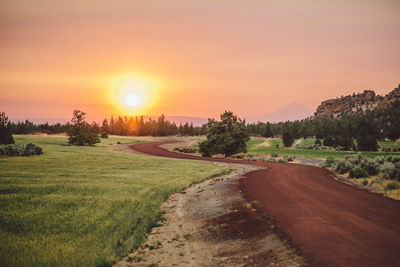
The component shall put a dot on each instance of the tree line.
(349, 131)
(129, 126)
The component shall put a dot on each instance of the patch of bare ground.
(210, 224)
(125, 148)
(266, 143)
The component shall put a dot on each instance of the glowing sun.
(133, 100)
(132, 94)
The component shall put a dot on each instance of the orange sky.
(196, 58)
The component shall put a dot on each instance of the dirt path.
(210, 224)
(266, 143)
(331, 223)
(297, 142)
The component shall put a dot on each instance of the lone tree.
(81, 133)
(287, 137)
(5, 130)
(228, 136)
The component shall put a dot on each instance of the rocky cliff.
(357, 103)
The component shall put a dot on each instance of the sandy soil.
(210, 224)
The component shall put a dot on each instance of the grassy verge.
(253, 147)
(381, 185)
(84, 206)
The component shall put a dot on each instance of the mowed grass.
(389, 143)
(310, 142)
(84, 206)
(253, 146)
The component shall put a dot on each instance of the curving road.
(331, 223)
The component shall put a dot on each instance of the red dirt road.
(331, 223)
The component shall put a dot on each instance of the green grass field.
(84, 206)
(310, 142)
(253, 146)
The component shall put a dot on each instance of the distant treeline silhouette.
(132, 126)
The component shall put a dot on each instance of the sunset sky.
(193, 58)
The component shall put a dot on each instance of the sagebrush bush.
(370, 166)
(282, 160)
(392, 186)
(274, 155)
(380, 159)
(104, 135)
(20, 150)
(185, 149)
(355, 159)
(342, 166)
(358, 172)
(389, 171)
(365, 182)
(289, 158)
(393, 159)
(329, 162)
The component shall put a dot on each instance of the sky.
(191, 58)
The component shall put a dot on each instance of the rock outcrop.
(357, 103)
(390, 98)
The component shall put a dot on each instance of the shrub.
(355, 159)
(287, 138)
(104, 135)
(274, 155)
(389, 171)
(289, 158)
(282, 160)
(185, 150)
(271, 160)
(317, 142)
(83, 137)
(81, 133)
(248, 157)
(380, 160)
(370, 166)
(33, 149)
(20, 150)
(365, 182)
(342, 166)
(393, 159)
(392, 186)
(358, 172)
(329, 162)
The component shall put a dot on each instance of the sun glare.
(132, 95)
(133, 100)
